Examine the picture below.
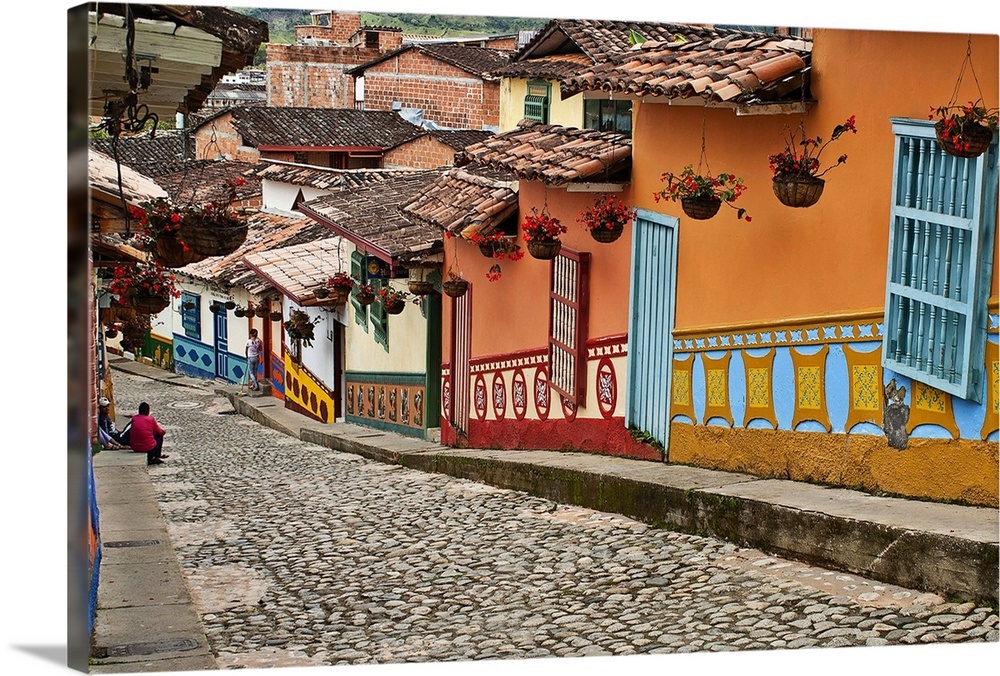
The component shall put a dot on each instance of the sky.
(34, 491)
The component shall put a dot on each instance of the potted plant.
(455, 286)
(541, 234)
(275, 315)
(606, 219)
(146, 287)
(240, 312)
(417, 284)
(250, 311)
(339, 286)
(364, 294)
(393, 300)
(701, 195)
(321, 292)
(797, 179)
(965, 131)
(299, 327)
(214, 229)
(230, 305)
(164, 232)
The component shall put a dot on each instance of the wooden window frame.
(576, 307)
(939, 263)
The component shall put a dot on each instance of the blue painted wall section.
(196, 359)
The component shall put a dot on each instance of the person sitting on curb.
(146, 436)
(107, 431)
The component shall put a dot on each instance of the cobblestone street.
(296, 555)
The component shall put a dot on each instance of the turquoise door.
(221, 346)
(651, 321)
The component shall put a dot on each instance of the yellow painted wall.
(303, 391)
(830, 258)
(407, 342)
(938, 469)
(568, 113)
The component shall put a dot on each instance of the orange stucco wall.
(525, 324)
(815, 261)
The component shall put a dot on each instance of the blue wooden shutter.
(943, 218)
(191, 319)
(380, 318)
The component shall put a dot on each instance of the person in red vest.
(146, 436)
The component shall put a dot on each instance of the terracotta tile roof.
(478, 61)
(150, 156)
(323, 178)
(553, 154)
(266, 230)
(459, 139)
(371, 216)
(597, 40)
(203, 181)
(466, 202)
(297, 270)
(103, 178)
(718, 64)
(244, 92)
(555, 66)
(321, 127)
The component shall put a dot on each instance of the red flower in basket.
(541, 227)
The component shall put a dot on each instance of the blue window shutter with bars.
(941, 233)
(357, 271)
(191, 319)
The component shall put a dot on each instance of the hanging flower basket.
(795, 171)
(455, 287)
(213, 231)
(149, 304)
(394, 307)
(544, 250)
(321, 292)
(111, 333)
(240, 312)
(969, 140)
(170, 249)
(607, 235)
(365, 295)
(701, 208)
(275, 316)
(251, 313)
(230, 305)
(496, 245)
(798, 191)
(701, 195)
(393, 301)
(606, 219)
(420, 287)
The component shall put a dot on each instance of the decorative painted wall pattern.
(196, 359)
(306, 394)
(277, 376)
(159, 350)
(818, 377)
(387, 401)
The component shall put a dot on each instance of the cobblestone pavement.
(297, 555)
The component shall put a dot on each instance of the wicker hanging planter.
(321, 292)
(455, 288)
(394, 307)
(240, 312)
(607, 235)
(419, 287)
(545, 250)
(111, 333)
(251, 313)
(148, 304)
(364, 298)
(701, 208)
(217, 238)
(798, 191)
(275, 316)
(170, 249)
(971, 142)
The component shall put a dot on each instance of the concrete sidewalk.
(948, 549)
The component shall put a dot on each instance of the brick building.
(338, 138)
(311, 72)
(452, 84)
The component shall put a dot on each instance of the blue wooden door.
(221, 346)
(651, 321)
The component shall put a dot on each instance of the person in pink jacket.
(146, 436)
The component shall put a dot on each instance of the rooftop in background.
(152, 156)
(467, 201)
(553, 154)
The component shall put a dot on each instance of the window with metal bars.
(941, 232)
(568, 314)
(536, 102)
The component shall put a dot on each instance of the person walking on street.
(146, 436)
(253, 350)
